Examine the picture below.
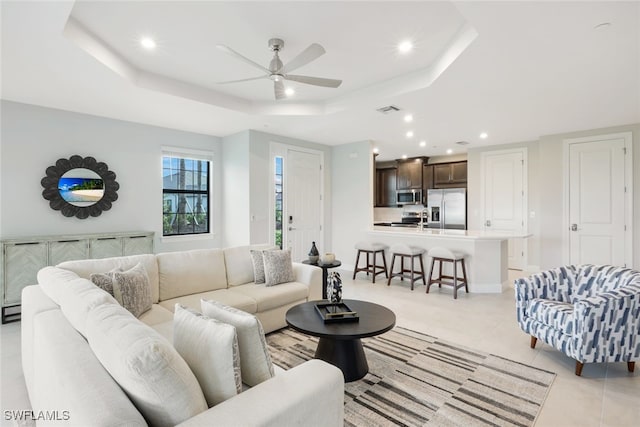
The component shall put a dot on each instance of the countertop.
(453, 234)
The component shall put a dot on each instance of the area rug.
(415, 380)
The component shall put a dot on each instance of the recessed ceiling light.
(148, 43)
(289, 91)
(410, 134)
(404, 156)
(376, 150)
(408, 118)
(423, 143)
(484, 135)
(405, 46)
(449, 151)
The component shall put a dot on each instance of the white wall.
(352, 188)
(475, 217)
(545, 182)
(247, 185)
(33, 138)
(260, 181)
(551, 184)
(235, 190)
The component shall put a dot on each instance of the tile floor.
(605, 395)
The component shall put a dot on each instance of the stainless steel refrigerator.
(447, 208)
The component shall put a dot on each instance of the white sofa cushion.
(238, 264)
(273, 296)
(191, 272)
(75, 296)
(85, 267)
(53, 281)
(255, 360)
(80, 299)
(240, 269)
(224, 296)
(151, 372)
(69, 378)
(210, 348)
(278, 267)
(156, 315)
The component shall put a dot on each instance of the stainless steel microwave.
(408, 197)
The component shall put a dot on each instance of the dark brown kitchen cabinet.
(450, 174)
(385, 187)
(427, 181)
(409, 174)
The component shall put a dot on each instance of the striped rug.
(416, 379)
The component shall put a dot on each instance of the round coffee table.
(339, 342)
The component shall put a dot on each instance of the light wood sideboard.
(22, 258)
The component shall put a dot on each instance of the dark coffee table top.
(374, 320)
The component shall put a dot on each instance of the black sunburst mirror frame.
(51, 191)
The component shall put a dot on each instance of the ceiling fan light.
(148, 43)
(289, 91)
(405, 46)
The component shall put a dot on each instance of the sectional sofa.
(62, 368)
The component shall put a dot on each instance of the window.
(185, 194)
(278, 201)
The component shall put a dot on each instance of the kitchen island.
(486, 251)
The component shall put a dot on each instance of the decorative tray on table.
(336, 312)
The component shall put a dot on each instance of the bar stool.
(440, 255)
(372, 267)
(406, 251)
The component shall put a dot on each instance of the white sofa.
(62, 373)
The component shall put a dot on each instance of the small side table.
(325, 267)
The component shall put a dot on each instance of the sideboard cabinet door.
(138, 245)
(22, 261)
(105, 247)
(67, 250)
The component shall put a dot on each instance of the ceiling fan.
(278, 72)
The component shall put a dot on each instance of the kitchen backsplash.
(387, 214)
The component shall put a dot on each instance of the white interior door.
(504, 198)
(597, 202)
(303, 206)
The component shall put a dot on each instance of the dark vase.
(314, 255)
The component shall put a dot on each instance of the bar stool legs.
(371, 249)
(412, 274)
(441, 255)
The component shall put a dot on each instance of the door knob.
(487, 223)
(291, 228)
(574, 227)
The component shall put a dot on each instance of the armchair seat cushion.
(555, 314)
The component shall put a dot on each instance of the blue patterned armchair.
(590, 313)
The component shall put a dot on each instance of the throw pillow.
(105, 281)
(278, 267)
(255, 361)
(258, 266)
(130, 288)
(210, 348)
(145, 365)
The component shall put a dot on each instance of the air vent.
(388, 109)
(462, 143)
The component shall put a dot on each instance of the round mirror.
(81, 187)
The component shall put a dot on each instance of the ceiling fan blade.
(232, 52)
(243, 80)
(278, 88)
(314, 51)
(316, 81)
